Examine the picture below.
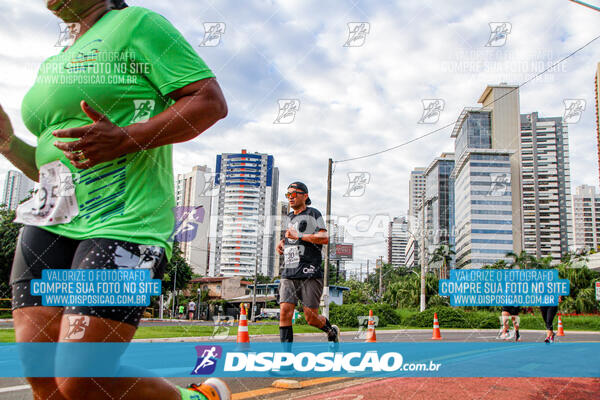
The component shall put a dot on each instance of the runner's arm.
(19, 153)
(320, 237)
(197, 107)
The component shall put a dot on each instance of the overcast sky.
(354, 99)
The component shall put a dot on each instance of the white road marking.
(14, 388)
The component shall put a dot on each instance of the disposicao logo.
(207, 359)
(321, 362)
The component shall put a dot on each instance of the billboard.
(341, 251)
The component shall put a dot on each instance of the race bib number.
(291, 256)
(53, 201)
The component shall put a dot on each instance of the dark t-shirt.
(302, 260)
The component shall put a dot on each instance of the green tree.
(176, 265)
(406, 292)
(358, 293)
(8, 241)
(444, 255)
(260, 278)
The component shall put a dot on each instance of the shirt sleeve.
(320, 221)
(171, 62)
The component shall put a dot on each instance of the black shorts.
(38, 249)
(308, 291)
(512, 310)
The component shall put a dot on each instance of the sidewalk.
(232, 338)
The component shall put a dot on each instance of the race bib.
(53, 201)
(291, 256)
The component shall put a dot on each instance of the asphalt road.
(259, 388)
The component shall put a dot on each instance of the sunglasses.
(293, 195)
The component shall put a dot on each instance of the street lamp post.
(198, 305)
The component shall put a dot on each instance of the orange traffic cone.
(242, 336)
(436, 328)
(561, 331)
(371, 336)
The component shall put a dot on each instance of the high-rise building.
(194, 190)
(546, 186)
(439, 201)
(483, 198)
(416, 188)
(283, 208)
(597, 91)
(397, 241)
(586, 218)
(503, 102)
(16, 188)
(416, 191)
(246, 206)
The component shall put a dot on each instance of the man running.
(302, 274)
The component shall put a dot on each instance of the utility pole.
(328, 217)
(255, 289)
(367, 270)
(174, 291)
(422, 250)
(380, 276)
(360, 277)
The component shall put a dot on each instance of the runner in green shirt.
(106, 111)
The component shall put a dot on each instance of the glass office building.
(482, 193)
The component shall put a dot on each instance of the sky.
(355, 97)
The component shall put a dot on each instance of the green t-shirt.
(123, 66)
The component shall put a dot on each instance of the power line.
(495, 100)
(585, 5)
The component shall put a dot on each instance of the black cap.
(302, 187)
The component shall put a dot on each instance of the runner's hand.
(98, 142)
(291, 233)
(6, 132)
(280, 247)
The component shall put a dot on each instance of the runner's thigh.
(104, 253)
(311, 291)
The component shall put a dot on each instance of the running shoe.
(547, 340)
(212, 389)
(334, 334)
(552, 337)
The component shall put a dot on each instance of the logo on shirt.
(287, 111)
(357, 34)
(207, 359)
(187, 219)
(142, 110)
(85, 58)
(498, 34)
(213, 31)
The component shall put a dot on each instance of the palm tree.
(523, 260)
(443, 254)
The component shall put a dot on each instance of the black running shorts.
(38, 249)
(512, 310)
